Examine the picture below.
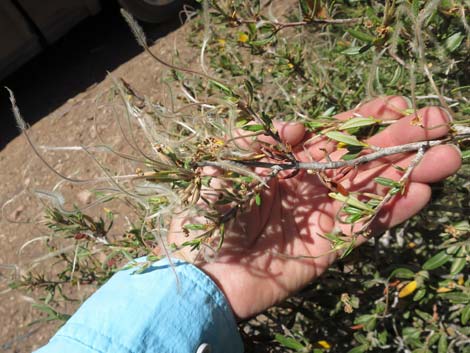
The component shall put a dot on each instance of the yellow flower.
(221, 42)
(408, 289)
(290, 65)
(412, 245)
(324, 344)
(461, 280)
(340, 145)
(243, 37)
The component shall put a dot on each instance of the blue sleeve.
(153, 311)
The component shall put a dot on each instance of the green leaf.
(424, 315)
(363, 319)
(357, 122)
(353, 152)
(396, 76)
(466, 154)
(465, 315)
(434, 338)
(402, 272)
(253, 128)
(222, 87)
(457, 265)
(382, 336)
(349, 156)
(411, 332)
(463, 226)
(365, 37)
(312, 125)
(351, 201)
(305, 8)
(415, 7)
(289, 342)
(195, 226)
(352, 210)
(359, 349)
(52, 314)
(453, 42)
(420, 293)
(456, 297)
(437, 261)
(371, 324)
(353, 51)
(344, 138)
(359, 337)
(262, 42)
(250, 89)
(241, 122)
(442, 345)
(353, 218)
(258, 200)
(386, 182)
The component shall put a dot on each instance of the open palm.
(273, 250)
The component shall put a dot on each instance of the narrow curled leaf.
(347, 139)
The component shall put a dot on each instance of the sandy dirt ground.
(81, 120)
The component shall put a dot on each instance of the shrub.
(407, 291)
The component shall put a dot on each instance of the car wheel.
(153, 11)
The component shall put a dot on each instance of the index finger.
(382, 108)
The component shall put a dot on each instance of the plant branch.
(320, 166)
(419, 156)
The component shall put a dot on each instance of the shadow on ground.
(78, 60)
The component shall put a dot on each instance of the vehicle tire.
(153, 11)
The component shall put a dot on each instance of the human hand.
(272, 251)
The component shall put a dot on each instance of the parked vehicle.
(28, 26)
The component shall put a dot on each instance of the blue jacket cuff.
(163, 309)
